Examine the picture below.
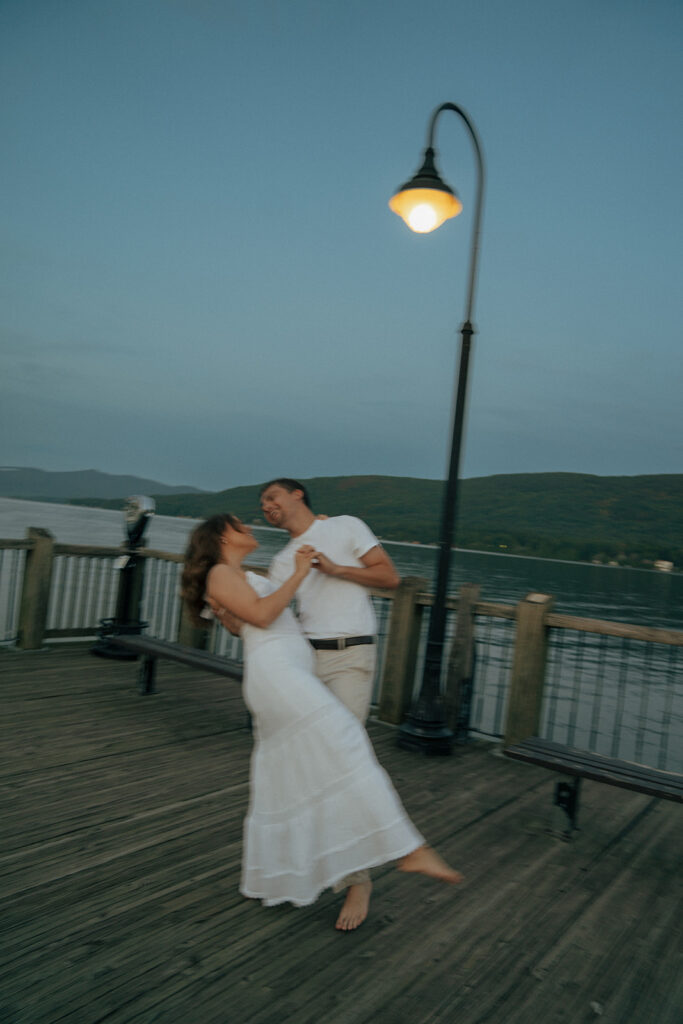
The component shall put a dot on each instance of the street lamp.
(424, 203)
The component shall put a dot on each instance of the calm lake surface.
(595, 591)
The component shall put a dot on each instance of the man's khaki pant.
(349, 674)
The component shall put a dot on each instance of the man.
(336, 614)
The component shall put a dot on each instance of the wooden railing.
(511, 671)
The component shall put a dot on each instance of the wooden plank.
(122, 861)
(528, 668)
(649, 634)
(35, 590)
(494, 610)
(7, 544)
(90, 550)
(401, 652)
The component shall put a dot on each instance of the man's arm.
(377, 570)
(226, 618)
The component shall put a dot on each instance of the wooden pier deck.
(120, 826)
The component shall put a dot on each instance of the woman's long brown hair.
(202, 553)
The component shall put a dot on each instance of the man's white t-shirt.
(330, 607)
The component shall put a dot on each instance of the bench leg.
(147, 670)
(567, 798)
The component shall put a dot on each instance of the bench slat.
(151, 647)
(582, 763)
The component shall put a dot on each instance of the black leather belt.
(341, 642)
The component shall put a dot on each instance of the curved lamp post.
(424, 203)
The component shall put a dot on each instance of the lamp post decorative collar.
(424, 203)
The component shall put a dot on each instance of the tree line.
(580, 517)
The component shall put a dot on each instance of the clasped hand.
(305, 558)
(231, 622)
(313, 559)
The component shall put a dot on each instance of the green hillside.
(631, 519)
(48, 485)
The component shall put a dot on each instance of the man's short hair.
(289, 485)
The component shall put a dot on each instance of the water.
(638, 596)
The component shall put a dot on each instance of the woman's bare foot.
(426, 861)
(355, 908)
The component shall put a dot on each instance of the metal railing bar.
(641, 721)
(599, 688)
(621, 697)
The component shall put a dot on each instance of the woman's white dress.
(321, 806)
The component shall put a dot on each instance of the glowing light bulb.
(424, 209)
(423, 218)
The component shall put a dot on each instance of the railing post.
(401, 650)
(190, 635)
(459, 678)
(35, 591)
(528, 668)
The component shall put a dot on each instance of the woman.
(320, 805)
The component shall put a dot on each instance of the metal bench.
(149, 649)
(582, 764)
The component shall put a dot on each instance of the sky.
(202, 283)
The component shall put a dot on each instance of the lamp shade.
(425, 201)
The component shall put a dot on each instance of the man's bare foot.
(426, 861)
(355, 908)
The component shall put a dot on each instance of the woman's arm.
(227, 588)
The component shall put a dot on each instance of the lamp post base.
(425, 737)
(424, 728)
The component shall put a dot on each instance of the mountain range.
(41, 485)
(630, 520)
